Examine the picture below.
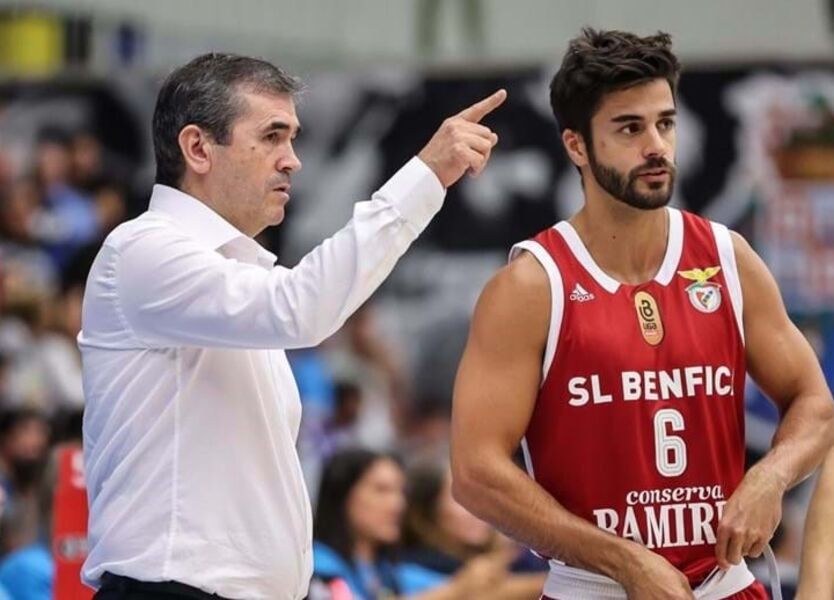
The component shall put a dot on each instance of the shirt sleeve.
(173, 291)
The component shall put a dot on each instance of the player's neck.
(627, 243)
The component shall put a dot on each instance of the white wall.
(336, 32)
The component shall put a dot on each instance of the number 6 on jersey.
(670, 450)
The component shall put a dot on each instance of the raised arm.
(173, 292)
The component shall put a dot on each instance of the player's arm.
(785, 367)
(816, 577)
(495, 392)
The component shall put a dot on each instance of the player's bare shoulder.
(761, 294)
(523, 282)
(516, 301)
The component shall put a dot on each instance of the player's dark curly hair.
(600, 62)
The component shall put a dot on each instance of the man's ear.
(575, 147)
(196, 147)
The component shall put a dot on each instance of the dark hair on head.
(206, 92)
(421, 526)
(425, 483)
(11, 418)
(600, 62)
(340, 475)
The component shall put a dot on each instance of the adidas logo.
(580, 294)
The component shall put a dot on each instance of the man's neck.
(195, 189)
(628, 243)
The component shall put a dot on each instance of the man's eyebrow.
(279, 126)
(671, 112)
(626, 118)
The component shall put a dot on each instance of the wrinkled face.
(376, 503)
(253, 171)
(632, 155)
(457, 522)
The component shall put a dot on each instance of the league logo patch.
(704, 295)
(648, 315)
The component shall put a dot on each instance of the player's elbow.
(464, 488)
(469, 481)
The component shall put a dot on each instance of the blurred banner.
(31, 43)
(69, 537)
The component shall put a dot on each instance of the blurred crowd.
(373, 451)
(54, 212)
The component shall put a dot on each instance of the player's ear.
(575, 147)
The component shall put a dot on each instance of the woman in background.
(357, 530)
(440, 535)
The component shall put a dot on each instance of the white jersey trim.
(569, 582)
(674, 249)
(557, 297)
(727, 257)
(584, 257)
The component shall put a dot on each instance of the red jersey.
(639, 423)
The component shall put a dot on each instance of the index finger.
(722, 547)
(479, 110)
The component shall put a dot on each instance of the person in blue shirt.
(28, 573)
(357, 529)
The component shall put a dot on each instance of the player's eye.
(666, 124)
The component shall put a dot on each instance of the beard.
(624, 187)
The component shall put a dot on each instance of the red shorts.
(754, 592)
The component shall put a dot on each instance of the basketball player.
(614, 348)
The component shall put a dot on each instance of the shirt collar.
(204, 224)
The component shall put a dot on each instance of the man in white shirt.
(192, 412)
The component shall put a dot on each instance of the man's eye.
(630, 128)
(667, 124)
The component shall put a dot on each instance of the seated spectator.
(24, 446)
(68, 219)
(20, 204)
(440, 536)
(357, 530)
(325, 432)
(28, 572)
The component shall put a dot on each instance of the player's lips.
(656, 175)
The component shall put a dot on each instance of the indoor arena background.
(77, 84)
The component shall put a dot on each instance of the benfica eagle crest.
(704, 295)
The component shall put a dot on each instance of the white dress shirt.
(192, 411)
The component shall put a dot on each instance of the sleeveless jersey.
(639, 422)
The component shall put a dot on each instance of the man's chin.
(277, 217)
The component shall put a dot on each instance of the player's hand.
(461, 143)
(479, 575)
(651, 577)
(750, 517)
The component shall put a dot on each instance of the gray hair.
(206, 92)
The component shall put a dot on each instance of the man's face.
(253, 171)
(632, 153)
